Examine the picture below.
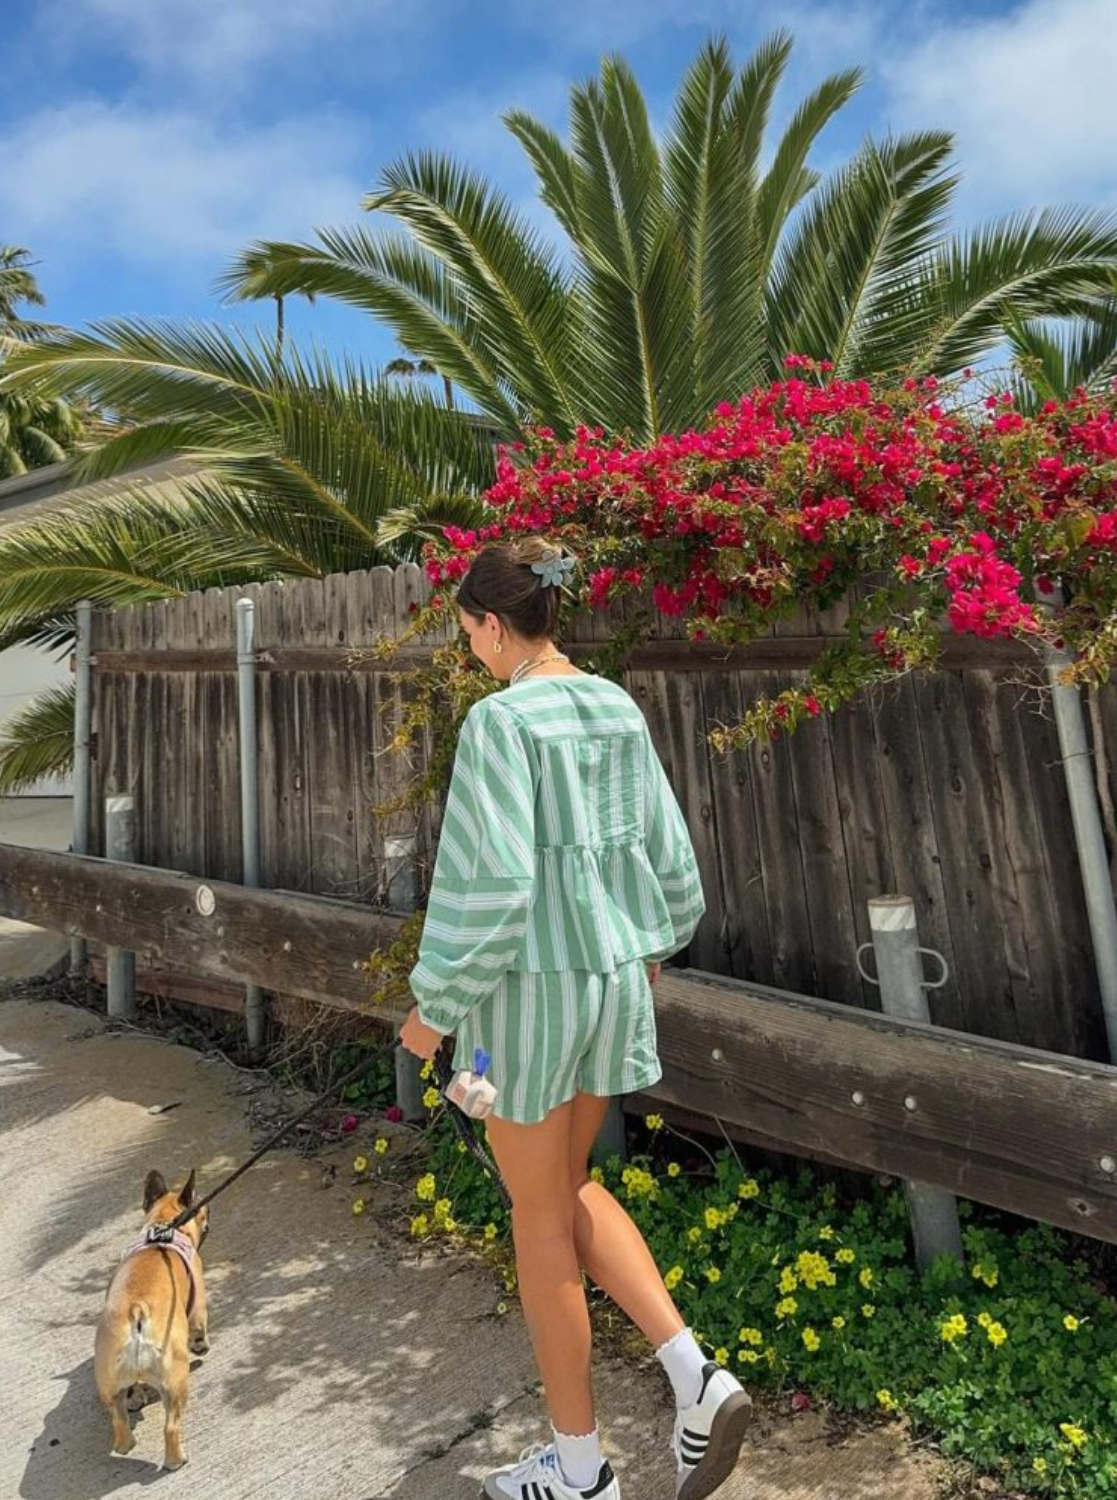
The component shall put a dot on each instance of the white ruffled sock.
(579, 1458)
(683, 1360)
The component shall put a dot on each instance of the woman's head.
(502, 601)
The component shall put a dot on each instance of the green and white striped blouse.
(562, 846)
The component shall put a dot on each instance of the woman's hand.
(654, 971)
(422, 1040)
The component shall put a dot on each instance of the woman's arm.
(484, 875)
(667, 841)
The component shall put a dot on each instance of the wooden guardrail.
(1020, 1129)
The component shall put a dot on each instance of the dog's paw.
(199, 1344)
(171, 1464)
(119, 1452)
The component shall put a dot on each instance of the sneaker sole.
(726, 1436)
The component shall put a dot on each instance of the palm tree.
(410, 368)
(298, 468)
(690, 270)
(17, 285)
(32, 432)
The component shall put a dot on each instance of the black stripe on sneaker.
(604, 1480)
(709, 1370)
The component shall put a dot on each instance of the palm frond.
(38, 741)
(513, 281)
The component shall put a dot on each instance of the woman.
(564, 875)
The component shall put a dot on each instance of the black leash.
(465, 1128)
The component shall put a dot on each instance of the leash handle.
(465, 1127)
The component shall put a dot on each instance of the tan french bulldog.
(154, 1319)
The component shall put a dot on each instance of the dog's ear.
(154, 1188)
(186, 1191)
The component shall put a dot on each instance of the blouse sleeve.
(668, 844)
(484, 873)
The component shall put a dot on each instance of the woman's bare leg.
(534, 1161)
(609, 1245)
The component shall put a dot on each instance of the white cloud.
(230, 45)
(1030, 96)
(156, 187)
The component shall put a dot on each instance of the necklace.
(535, 661)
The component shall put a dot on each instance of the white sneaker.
(537, 1476)
(708, 1435)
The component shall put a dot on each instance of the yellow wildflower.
(358, 1205)
(596, 1174)
(1071, 1323)
(431, 1099)
(811, 1339)
(381, 1146)
(694, 1234)
(814, 1270)
(713, 1275)
(654, 1122)
(997, 1333)
(838, 1323)
(1039, 1465)
(490, 1231)
(673, 1169)
(420, 1226)
(981, 1272)
(826, 1233)
(845, 1257)
(713, 1219)
(865, 1277)
(721, 1356)
(751, 1336)
(1073, 1434)
(673, 1277)
(789, 1282)
(360, 1164)
(867, 1310)
(749, 1189)
(886, 1399)
(425, 1187)
(954, 1328)
(426, 1070)
(747, 1356)
(787, 1308)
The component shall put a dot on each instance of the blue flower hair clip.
(554, 569)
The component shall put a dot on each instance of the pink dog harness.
(160, 1237)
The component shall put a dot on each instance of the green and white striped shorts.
(553, 1035)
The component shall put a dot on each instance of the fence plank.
(963, 826)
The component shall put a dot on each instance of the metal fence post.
(83, 723)
(249, 793)
(1089, 837)
(120, 964)
(401, 879)
(934, 1212)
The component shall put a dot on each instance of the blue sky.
(147, 140)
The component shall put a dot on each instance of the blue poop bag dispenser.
(470, 1090)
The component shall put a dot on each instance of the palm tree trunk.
(448, 385)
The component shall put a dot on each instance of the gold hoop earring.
(497, 647)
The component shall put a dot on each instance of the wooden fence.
(1016, 1128)
(947, 787)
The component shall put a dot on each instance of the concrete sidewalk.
(41, 823)
(345, 1363)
